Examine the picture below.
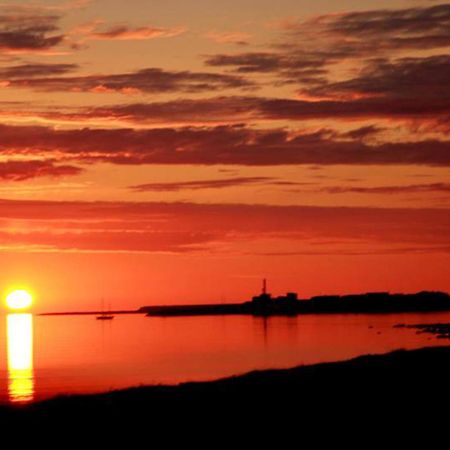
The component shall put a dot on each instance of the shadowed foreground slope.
(399, 380)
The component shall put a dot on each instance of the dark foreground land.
(394, 385)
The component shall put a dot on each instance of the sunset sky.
(158, 152)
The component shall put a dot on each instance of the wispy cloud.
(396, 189)
(217, 145)
(201, 184)
(229, 37)
(125, 32)
(404, 78)
(25, 170)
(180, 227)
(245, 109)
(29, 33)
(150, 80)
(307, 50)
(31, 70)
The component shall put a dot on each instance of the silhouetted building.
(265, 304)
(264, 299)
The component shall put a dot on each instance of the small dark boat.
(104, 315)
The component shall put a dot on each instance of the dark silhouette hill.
(404, 382)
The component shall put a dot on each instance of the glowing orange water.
(20, 357)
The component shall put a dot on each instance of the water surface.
(44, 356)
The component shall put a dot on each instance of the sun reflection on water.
(20, 357)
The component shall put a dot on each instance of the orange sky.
(171, 152)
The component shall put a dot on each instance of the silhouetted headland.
(266, 305)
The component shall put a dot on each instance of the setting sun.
(19, 299)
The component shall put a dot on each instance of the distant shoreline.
(289, 305)
(89, 313)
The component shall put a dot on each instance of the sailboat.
(104, 315)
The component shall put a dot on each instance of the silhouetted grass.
(401, 381)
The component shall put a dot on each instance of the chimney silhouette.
(264, 286)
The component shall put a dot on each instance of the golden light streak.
(20, 357)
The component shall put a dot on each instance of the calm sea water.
(44, 356)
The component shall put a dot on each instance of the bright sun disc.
(19, 300)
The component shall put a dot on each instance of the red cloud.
(152, 80)
(124, 32)
(406, 189)
(29, 33)
(245, 109)
(217, 145)
(305, 54)
(202, 184)
(36, 70)
(181, 227)
(229, 37)
(25, 170)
